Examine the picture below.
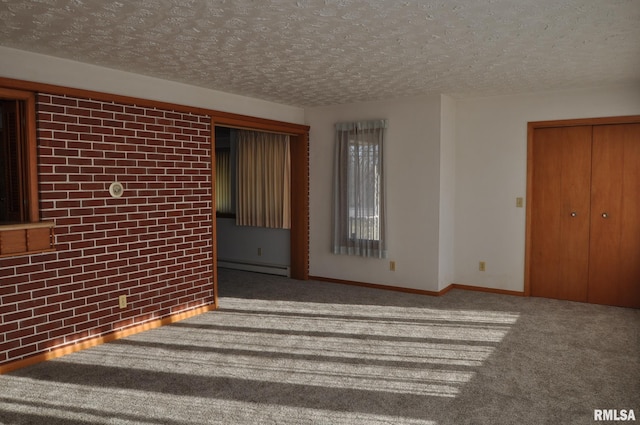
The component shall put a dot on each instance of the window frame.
(353, 146)
(30, 162)
(30, 235)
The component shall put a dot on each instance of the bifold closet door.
(560, 212)
(614, 257)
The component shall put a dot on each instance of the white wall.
(241, 243)
(39, 68)
(412, 170)
(454, 170)
(446, 268)
(491, 154)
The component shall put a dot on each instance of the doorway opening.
(298, 234)
(258, 247)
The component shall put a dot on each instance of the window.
(14, 161)
(359, 198)
(20, 229)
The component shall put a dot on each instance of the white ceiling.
(324, 52)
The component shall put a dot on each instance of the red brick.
(74, 320)
(79, 178)
(59, 298)
(20, 315)
(50, 108)
(63, 100)
(113, 107)
(13, 261)
(8, 288)
(71, 160)
(9, 345)
(90, 104)
(91, 138)
(83, 277)
(33, 339)
(47, 309)
(59, 332)
(29, 269)
(86, 326)
(10, 299)
(80, 112)
(100, 314)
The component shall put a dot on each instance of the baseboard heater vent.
(255, 267)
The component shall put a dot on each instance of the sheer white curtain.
(359, 189)
(263, 180)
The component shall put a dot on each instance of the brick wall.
(154, 244)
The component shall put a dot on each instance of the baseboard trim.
(419, 291)
(255, 266)
(384, 287)
(83, 345)
(489, 290)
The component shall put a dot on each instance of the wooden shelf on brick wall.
(26, 238)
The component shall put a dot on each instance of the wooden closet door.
(560, 212)
(614, 258)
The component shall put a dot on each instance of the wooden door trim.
(531, 127)
(627, 119)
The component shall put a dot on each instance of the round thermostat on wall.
(116, 189)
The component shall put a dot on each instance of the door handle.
(605, 215)
(573, 214)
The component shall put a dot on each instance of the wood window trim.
(26, 238)
(30, 236)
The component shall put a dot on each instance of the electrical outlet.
(392, 266)
(122, 301)
(482, 266)
(259, 252)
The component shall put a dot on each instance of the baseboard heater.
(249, 266)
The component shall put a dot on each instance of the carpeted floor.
(280, 351)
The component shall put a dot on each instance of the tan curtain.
(263, 179)
(223, 181)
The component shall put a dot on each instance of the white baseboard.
(275, 269)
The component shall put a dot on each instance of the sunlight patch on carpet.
(53, 402)
(416, 351)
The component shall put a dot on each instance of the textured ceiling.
(323, 52)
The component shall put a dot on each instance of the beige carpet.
(287, 352)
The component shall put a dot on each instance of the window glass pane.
(358, 203)
(363, 185)
(12, 168)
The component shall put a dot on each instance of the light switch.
(519, 202)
